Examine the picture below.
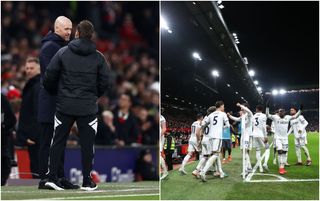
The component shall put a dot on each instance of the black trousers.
(34, 160)
(87, 128)
(5, 168)
(45, 141)
(168, 154)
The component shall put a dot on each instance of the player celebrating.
(246, 120)
(300, 136)
(193, 142)
(163, 128)
(205, 145)
(217, 121)
(281, 123)
(260, 138)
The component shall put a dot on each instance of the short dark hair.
(211, 109)
(199, 116)
(32, 59)
(260, 108)
(85, 29)
(295, 108)
(219, 104)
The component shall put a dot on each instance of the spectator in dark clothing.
(144, 169)
(148, 129)
(8, 121)
(52, 42)
(106, 130)
(125, 123)
(78, 74)
(28, 127)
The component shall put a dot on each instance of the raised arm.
(237, 119)
(245, 109)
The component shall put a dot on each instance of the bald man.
(51, 43)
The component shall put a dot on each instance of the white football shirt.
(216, 122)
(297, 124)
(259, 125)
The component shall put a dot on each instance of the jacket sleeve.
(103, 76)
(8, 119)
(46, 55)
(51, 77)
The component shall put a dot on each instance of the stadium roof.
(199, 28)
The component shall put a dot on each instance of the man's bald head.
(63, 27)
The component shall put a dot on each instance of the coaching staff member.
(78, 74)
(51, 43)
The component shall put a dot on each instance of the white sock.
(201, 163)
(306, 151)
(218, 165)
(266, 159)
(248, 163)
(285, 157)
(258, 156)
(163, 164)
(185, 160)
(209, 163)
(298, 153)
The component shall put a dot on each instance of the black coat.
(28, 126)
(127, 130)
(8, 121)
(78, 74)
(47, 102)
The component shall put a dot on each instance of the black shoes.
(66, 184)
(42, 185)
(54, 184)
(88, 184)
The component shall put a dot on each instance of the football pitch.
(300, 183)
(107, 191)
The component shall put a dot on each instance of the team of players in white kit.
(207, 132)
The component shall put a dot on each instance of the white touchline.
(288, 180)
(101, 196)
(257, 165)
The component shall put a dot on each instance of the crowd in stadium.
(128, 40)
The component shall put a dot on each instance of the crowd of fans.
(126, 34)
(313, 120)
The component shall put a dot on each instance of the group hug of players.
(207, 132)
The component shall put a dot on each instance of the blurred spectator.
(28, 127)
(106, 132)
(125, 122)
(148, 128)
(144, 168)
(8, 121)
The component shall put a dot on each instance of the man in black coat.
(8, 121)
(125, 122)
(28, 127)
(78, 74)
(51, 43)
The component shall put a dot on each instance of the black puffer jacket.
(78, 74)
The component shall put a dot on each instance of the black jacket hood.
(82, 46)
(51, 36)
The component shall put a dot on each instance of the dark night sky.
(280, 40)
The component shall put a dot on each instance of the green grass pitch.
(107, 191)
(178, 187)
